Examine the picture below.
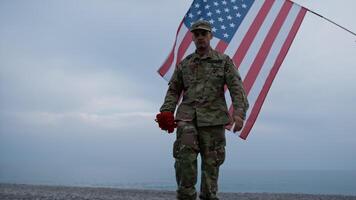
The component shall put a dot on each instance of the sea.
(342, 182)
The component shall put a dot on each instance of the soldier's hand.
(166, 121)
(239, 123)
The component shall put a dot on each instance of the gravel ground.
(35, 192)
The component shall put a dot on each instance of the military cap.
(201, 24)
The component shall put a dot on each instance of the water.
(290, 181)
(272, 181)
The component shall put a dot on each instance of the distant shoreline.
(46, 192)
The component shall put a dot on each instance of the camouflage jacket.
(202, 80)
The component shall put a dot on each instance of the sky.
(79, 93)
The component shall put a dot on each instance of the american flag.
(256, 34)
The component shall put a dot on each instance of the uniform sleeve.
(236, 89)
(175, 87)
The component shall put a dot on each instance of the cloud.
(104, 122)
(52, 83)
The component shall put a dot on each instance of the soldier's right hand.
(239, 123)
(166, 121)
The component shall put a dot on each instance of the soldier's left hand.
(239, 123)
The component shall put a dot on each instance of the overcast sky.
(79, 92)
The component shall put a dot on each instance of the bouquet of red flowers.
(166, 121)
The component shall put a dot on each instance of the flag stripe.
(181, 34)
(221, 46)
(260, 37)
(258, 105)
(167, 64)
(187, 40)
(257, 43)
(275, 50)
(214, 42)
(265, 48)
(244, 27)
(273, 54)
(251, 33)
(190, 49)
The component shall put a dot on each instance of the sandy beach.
(40, 192)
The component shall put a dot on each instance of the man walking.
(202, 115)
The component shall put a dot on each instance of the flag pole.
(327, 19)
(348, 30)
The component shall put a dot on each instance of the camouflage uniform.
(202, 116)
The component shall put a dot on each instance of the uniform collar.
(210, 54)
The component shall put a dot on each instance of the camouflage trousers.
(210, 143)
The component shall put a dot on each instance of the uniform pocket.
(220, 155)
(176, 146)
(219, 136)
(187, 77)
(216, 76)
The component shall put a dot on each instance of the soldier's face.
(202, 38)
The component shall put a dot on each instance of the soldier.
(202, 115)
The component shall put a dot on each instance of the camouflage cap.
(201, 24)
